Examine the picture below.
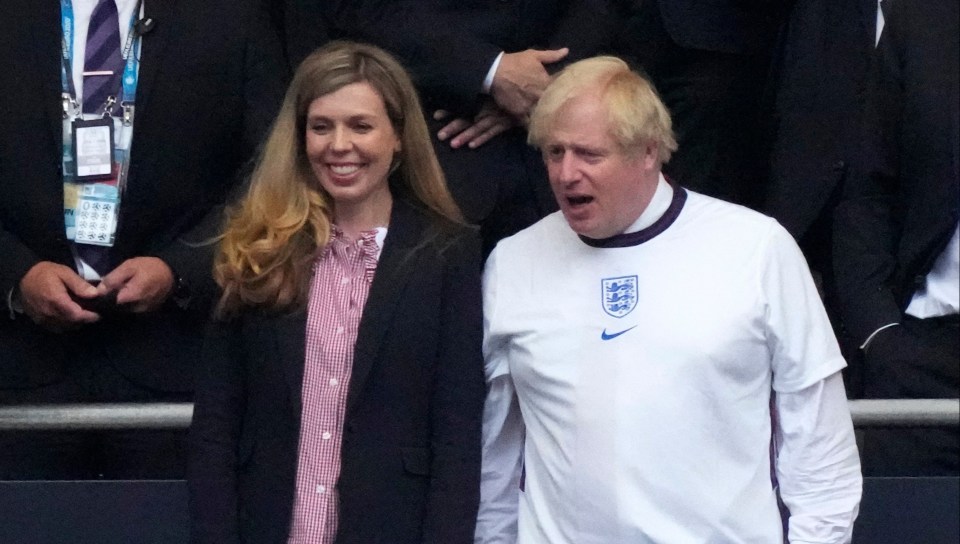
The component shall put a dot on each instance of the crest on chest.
(619, 295)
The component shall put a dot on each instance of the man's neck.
(655, 209)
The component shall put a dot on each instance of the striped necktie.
(102, 63)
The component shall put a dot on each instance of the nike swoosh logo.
(605, 336)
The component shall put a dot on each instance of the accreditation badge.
(93, 149)
(95, 217)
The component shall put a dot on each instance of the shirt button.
(325, 435)
(345, 281)
(334, 382)
(321, 489)
(340, 330)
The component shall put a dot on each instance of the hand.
(489, 122)
(521, 78)
(142, 284)
(45, 292)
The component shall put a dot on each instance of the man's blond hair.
(635, 113)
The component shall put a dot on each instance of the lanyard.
(130, 54)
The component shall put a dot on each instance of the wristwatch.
(181, 291)
(14, 304)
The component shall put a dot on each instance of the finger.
(440, 115)
(452, 128)
(77, 285)
(148, 287)
(74, 314)
(132, 293)
(487, 135)
(62, 312)
(473, 131)
(551, 55)
(117, 278)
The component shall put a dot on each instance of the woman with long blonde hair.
(344, 383)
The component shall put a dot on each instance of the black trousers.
(77, 455)
(918, 359)
(716, 101)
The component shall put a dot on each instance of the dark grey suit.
(210, 80)
(899, 210)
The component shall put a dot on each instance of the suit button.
(919, 280)
(839, 165)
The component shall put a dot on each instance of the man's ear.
(651, 156)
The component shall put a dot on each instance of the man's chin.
(583, 228)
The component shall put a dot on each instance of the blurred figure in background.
(896, 246)
(125, 126)
(710, 62)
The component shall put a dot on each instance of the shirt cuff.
(14, 306)
(870, 338)
(488, 81)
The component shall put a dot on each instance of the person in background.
(125, 126)
(651, 352)
(820, 81)
(896, 240)
(344, 390)
(710, 63)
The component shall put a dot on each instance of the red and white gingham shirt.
(338, 292)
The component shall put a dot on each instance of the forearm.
(818, 466)
(17, 260)
(503, 438)
(864, 249)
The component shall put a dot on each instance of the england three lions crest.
(619, 295)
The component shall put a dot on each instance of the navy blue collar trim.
(629, 239)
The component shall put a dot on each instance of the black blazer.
(211, 79)
(411, 450)
(724, 26)
(821, 83)
(901, 206)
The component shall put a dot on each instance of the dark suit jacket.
(901, 206)
(821, 84)
(211, 79)
(411, 448)
(449, 45)
(724, 26)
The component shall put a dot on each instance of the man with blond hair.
(654, 354)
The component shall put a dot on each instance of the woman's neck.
(352, 220)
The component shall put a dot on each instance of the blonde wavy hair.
(635, 113)
(273, 234)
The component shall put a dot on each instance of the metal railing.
(866, 413)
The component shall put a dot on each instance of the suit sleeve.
(190, 252)
(457, 399)
(587, 27)
(447, 58)
(17, 261)
(868, 220)
(446, 49)
(214, 438)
